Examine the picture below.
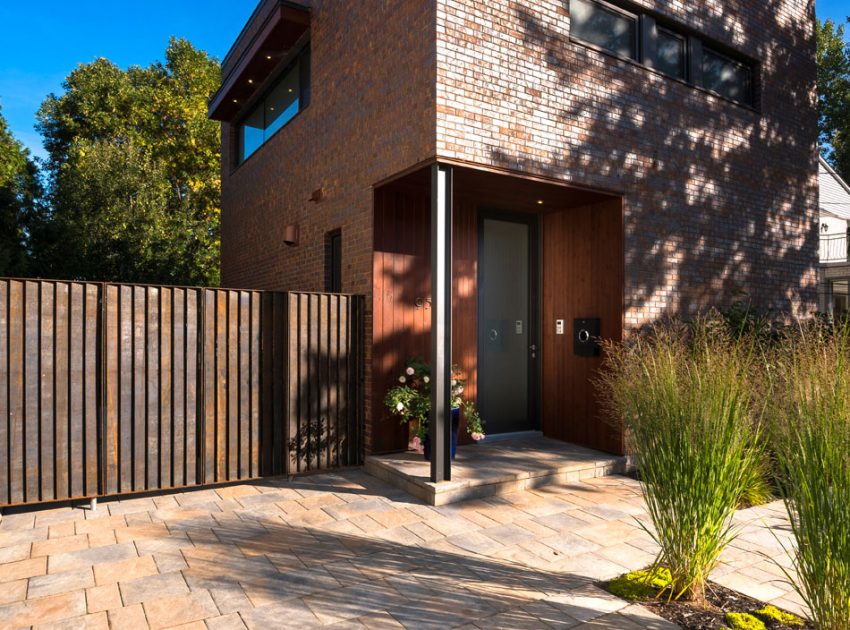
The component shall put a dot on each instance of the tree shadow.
(343, 575)
(721, 199)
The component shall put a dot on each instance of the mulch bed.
(720, 601)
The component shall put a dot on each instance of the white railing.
(833, 248)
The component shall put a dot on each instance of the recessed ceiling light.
(235, 101)
(268, 56)
(539, 202)
(251, 81)
(290, 89)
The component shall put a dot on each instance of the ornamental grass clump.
(685, 396)
(812, 438)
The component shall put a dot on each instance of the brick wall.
(371, 114)
(720, 200)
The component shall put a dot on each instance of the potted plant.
(411, 401)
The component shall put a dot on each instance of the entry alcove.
(576, 262)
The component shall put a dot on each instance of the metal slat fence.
(112, 388)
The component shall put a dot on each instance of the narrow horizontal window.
(727, 77)
(655, 41)
(671, 56)
(602, 26)
(280, 105)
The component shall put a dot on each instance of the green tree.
(133, 173)
(834, 95)
(19, 197)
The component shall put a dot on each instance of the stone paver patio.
(348, 551)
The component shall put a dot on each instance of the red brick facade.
(371, 114)
(720, 199)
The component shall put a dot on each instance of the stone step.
(499, 467)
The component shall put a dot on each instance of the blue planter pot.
(455, 431)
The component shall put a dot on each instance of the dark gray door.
(506, 332)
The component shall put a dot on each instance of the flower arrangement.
(411, 401)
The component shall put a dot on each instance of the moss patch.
(639, 585)
(744, 621)
(772, 613)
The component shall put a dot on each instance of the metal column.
(441, 322)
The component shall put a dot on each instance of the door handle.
(494, 334)
(533, 349)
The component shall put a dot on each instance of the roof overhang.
(273, 42)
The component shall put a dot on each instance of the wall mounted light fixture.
(290, 235)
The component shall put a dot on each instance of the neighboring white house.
(834, 229)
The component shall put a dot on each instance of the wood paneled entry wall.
(582, 278)
(581, 275)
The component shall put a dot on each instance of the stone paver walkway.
(341, 551)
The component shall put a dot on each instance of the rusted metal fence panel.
(231, 384)
(113, 388)
(325, 359)
(48, 391)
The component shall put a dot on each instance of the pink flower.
(416, 443)
(402, 380)
(477, 436)
(411, 371)
(460, 389)
(426, 379)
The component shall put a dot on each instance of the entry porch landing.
(496, 466)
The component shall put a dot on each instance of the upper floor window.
(605, 26)
(726, 76)
(618, 27)
(287, 97)
(672, 53)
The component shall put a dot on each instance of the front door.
(507, 330)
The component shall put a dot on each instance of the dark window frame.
(299, 61)
(749, 88)
(333, 261)
(612, 8)
(683, 38)
(647, 45)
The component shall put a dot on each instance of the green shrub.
(685, 398)
(744, 621)
(812, 439)
(757, 488)
(773, 614)
(640, 585)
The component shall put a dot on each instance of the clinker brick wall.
(720, 199)
(371, 114)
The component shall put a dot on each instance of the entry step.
(497, 467)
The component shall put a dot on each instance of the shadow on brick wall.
(721, 199)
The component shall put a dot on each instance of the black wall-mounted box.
(586, 337)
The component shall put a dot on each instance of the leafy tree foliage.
(133, 173)
(834, 95)
(19, 194)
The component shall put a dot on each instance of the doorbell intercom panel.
(586, 337)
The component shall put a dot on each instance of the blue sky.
(51, 37)
(43, 40)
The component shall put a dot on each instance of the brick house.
(834, 215)
(605, 162)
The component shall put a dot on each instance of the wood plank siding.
(581, 257)
(111, 389)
